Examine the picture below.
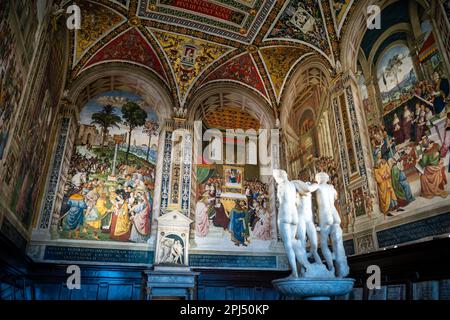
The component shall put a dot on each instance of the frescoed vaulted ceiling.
(190, 43)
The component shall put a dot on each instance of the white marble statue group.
(297, 227)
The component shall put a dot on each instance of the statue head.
(280, 176)
(322, 177)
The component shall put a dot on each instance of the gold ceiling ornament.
(152, 7)
(252, 48)
(134, 21)
(243, 31)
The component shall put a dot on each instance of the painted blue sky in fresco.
(406, 67)
(117, 99)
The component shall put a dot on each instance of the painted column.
(346, 85)
(49, 216)
(165, 170)
(158, 181)
(176, 171)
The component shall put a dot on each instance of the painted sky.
(406, 67)
(117, 99)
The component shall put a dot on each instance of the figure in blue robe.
(239, 227)
(388, 148)
(406, 187)
(74, 218)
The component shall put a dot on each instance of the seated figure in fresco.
(239, 224)
(433, 180)
(387, 197)
(73, 219)
(201, 216)
(400, 184)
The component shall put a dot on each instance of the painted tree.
(106, 118)
(133, 117)
(393, 68)
(151, 128)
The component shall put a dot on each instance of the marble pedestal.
(313, 289)
(170, 283)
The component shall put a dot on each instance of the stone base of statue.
(313, 289)
(311, 281)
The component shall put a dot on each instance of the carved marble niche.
(172, 243)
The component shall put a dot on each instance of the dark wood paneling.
(22, 279)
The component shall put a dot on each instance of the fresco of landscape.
(396, 77)
(109, 190)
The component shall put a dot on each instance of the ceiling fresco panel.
(130, 46)
(188, 57)
(301, 21)
(279, 61)
(97, 22)
(340, 9)
(190, 43)
(241, 69)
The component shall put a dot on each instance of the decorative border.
(177, 20)
(357, 138)
(55, 173)
(233, 261)
(78, 254)
(340, 138)
(187, 172)
(165, 181)
(433, 226)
